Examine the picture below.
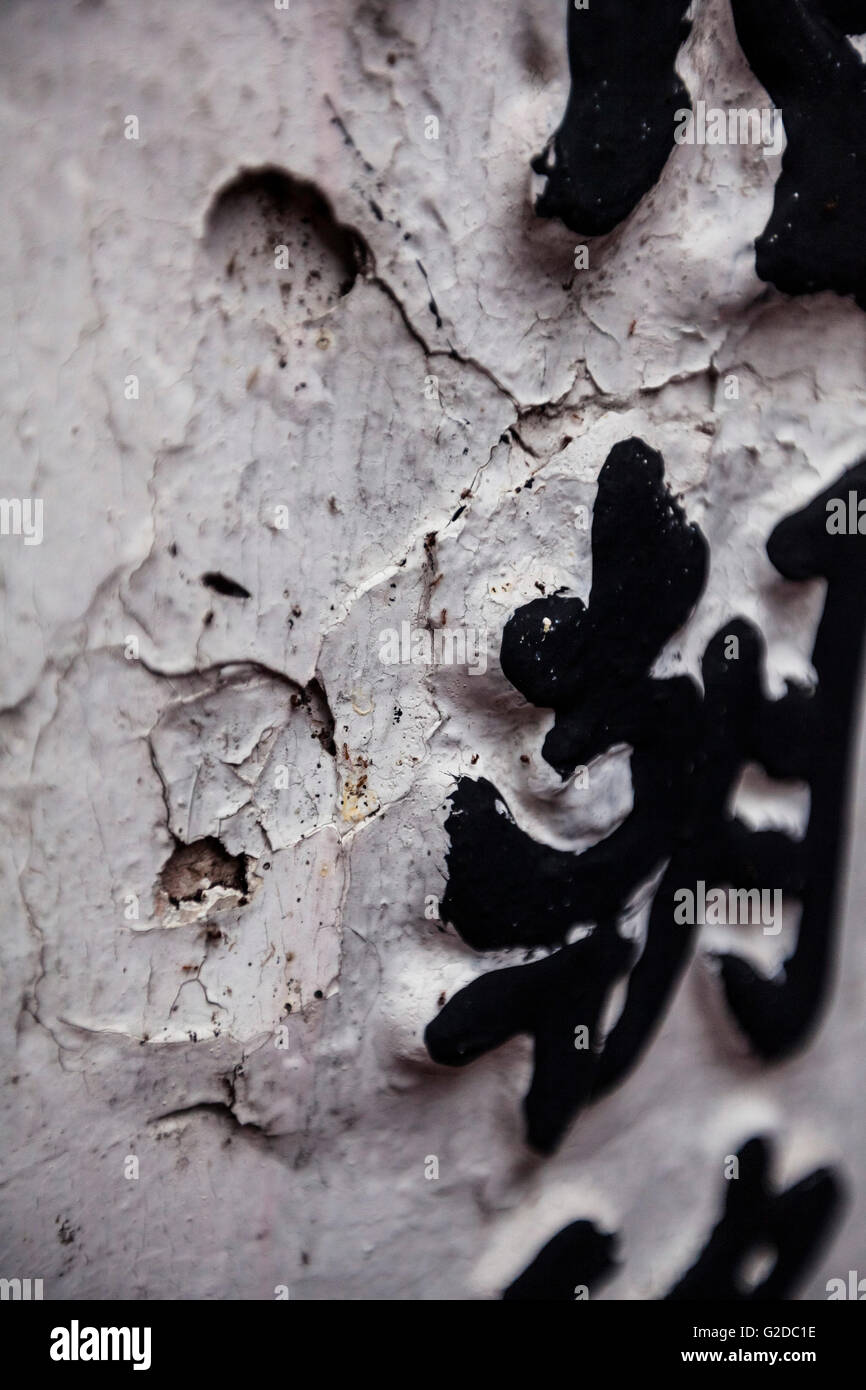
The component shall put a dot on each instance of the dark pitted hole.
(192, 869)
(275, 240)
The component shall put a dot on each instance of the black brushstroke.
(649, 567)
(548, 1000)
(579, 1256)
(591, 665)
(505, 889)
(847, 15)
(618, 127)
(816, 234)
(792, 1225)
(737, 725)
(777, 1014)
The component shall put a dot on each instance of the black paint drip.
(618, 127)
(591, 665)
(817, 231)
(791, 1226)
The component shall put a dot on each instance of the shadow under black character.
(799, 51)
(789, 1227)
(618, 127)
(591, 666)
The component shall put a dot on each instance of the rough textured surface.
(310, 454)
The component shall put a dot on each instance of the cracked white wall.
(303, 1164)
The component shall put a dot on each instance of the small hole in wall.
(192, 869)
(274, 242)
